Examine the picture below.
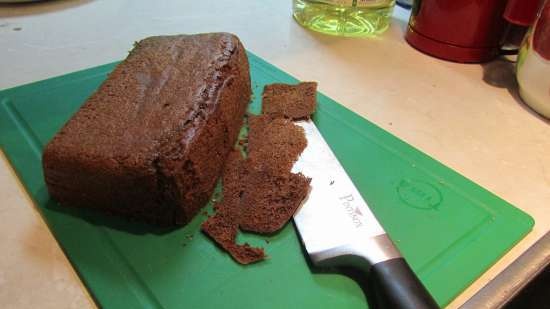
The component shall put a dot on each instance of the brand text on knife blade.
(353, 212)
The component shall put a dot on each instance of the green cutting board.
(449, 229)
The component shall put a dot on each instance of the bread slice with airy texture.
(223, 226)
(291, 101)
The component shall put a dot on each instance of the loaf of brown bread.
(151, 142)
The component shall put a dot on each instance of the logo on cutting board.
(419, 194)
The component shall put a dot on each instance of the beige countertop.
(466, 116)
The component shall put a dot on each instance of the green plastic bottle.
(352, 18)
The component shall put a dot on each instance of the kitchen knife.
(337, 228)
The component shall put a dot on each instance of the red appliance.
(466, 30)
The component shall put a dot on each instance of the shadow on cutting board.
(98, 218)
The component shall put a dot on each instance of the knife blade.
(337, 228)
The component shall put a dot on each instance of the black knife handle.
(393, 285)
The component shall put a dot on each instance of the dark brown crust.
(290, 101)
(151, 141)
